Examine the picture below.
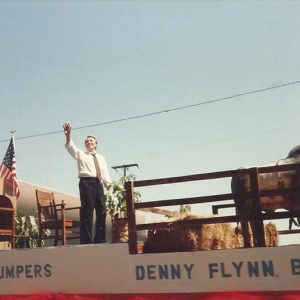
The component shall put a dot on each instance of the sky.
(95, 63)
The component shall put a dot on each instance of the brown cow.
(287, 179)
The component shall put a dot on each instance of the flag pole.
(13, 182)
(13, 133)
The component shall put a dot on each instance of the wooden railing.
(256, 213)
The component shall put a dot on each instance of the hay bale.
(168, 240)
(216, 236)
(201, 237)
(237, 238)
(271, 236)
(176, 238)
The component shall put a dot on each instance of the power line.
(162, 111)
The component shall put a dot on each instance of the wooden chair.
(52, 217)
(7, 221)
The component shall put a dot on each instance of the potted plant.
(117, 208)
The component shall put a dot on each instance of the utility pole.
(125, 167)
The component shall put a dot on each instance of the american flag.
(8, 169)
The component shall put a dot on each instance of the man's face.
(90, 144)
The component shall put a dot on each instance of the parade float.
(183, 257)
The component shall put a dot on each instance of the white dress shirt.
(86, 164)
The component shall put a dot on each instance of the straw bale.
(271, 235)
(216, 236)
(198, 238)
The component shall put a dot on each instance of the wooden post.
(13, 225)
(256, 212)
(132, 239)
(63, 221)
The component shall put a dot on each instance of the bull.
(240, 184)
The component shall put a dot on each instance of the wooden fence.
(256, 214)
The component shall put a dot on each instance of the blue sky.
(90, 62)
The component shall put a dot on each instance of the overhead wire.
(162, 111)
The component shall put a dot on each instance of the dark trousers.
(92, 198)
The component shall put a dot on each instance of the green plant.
(27, 227)
(116, 198)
